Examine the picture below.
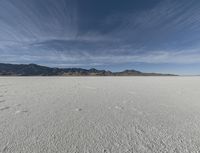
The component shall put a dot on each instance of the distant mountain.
(37, 70)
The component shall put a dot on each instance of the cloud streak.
(70, 33)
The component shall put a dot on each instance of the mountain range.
(38, 70)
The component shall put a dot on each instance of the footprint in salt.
(4, 108)
(118, 107)
(2, 101)
(78, 109)
(21, 111)
(106, 151)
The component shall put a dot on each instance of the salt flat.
(99, 114)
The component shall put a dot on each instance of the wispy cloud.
(22, 20)
(49, 31)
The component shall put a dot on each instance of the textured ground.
(99, 114)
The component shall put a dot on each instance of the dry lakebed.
(99, 114)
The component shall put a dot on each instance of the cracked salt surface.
(125, 114)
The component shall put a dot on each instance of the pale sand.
(99, 114)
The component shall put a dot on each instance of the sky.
(147, 35)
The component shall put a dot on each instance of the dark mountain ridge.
(38, 70)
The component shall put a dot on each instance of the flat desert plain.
(100, 114)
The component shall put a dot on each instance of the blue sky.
(147, 35)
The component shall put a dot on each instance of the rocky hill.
(37, 70)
